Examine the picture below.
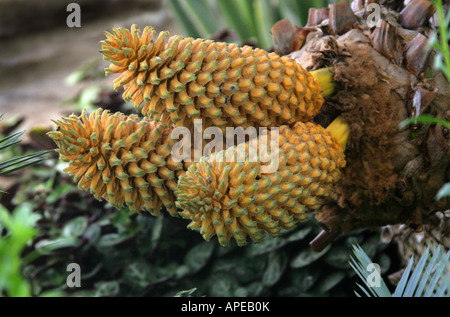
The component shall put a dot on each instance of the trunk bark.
(382, 75)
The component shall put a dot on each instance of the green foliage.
(19, 226)
(251, 20)
(17, 162)
(156, 256)
(424, 119)
(16, 228)
(125, 254)
(186, 293)
(443, 192)
(440, 42)
(429, 278)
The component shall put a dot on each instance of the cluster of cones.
(129, 160)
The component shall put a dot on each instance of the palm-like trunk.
(392, 174)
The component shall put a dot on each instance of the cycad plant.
(381, 75)
(429, 278)
(387, 90)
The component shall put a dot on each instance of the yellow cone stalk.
(341, 131)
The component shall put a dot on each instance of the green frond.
(17, 162)
(360, 265)
(429, 278)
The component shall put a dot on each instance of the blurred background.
(49, 70)
(39, 51)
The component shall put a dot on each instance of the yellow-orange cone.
(122, 159)
(221, 83)
(236, 199)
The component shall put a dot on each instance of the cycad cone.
(222, 84)
(122, 159)
(233, 199)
